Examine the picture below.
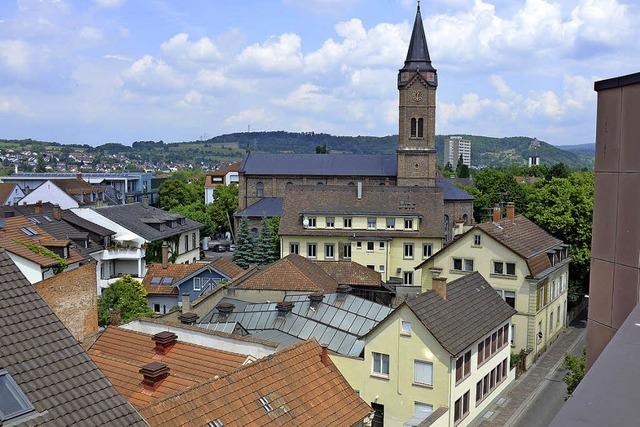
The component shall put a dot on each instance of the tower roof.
(418, 54)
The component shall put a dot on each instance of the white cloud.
(253, 116)
(117, 57)
(109, 3)
(180, 48)
(16, 56)
(154, 74)
(306, 97)
(90, 34)
(11, 104)
(192, 98)
(278, 54)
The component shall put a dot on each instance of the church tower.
(417, 84)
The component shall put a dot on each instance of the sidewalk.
(505, 410)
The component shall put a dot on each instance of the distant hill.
(485, 151)
(579, 148)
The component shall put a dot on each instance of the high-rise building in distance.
(457, 146)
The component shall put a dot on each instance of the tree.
(462, 170)
(245, 245)
(494, 186)
(274, 223)
(322, 149)
(126, 295)
(448, 168)
(223, 207)
(41, 165)
(559, 170)
(576, 367)
(264, 244)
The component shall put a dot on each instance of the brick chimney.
(284, 307)
(440, 286)
(153, 373)
(38, 207)
(186, 302)
(164, 341)
(324, 355)
(188, 318)
(497, 213)
(165, 255)
(56, 212)
(511, 211)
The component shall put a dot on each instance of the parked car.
(232, 247)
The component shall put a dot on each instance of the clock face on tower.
(417, 96)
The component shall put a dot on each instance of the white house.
(218, 178)
(10, 194)
(67, 193)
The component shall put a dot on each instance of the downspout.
(398, 363)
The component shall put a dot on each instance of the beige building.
(443, 355)
(526, 266)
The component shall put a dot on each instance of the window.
(558, 316)
(508, 296)
(463, 366)
(480, 353)
(294, 248)
(479, 395)
(329, 250)
(505, 334)
(408, 251)
(259, 189)
(513, 334)
(371, 266)
(511, 269)
(487, 348)
(346, 222)
(215, 423)
(407, 278)
(381, 364)
(427, 250)
(413, 128)
(371, 223)
(494, 342)
(13, 402)
(156, 308)
(408, 224)
(330, 222)
(462, 264)
(381, 245)
(193, 240)
(311, 250)
(467, 363)
(186, 243)
(346, 251)
(197, 284)
(406, 328)
(359, 245)
(266, 405)
(498, 267)
(500, 338)
(420, 126)
(391, 223)
(312, 221)
(422, 372)
(461, 408)
(370, 246)
(551, 323)
(381, 268)
(504, 268)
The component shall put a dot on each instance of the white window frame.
(373, 246)
(415, 372)
(315, 250)
(477, 240)
(197, 284)
(391, 223)
(333, 250)
(406, 246)
(380, 362)
(296, 245)
(346, 222)
(375, 223)
(406, 274)
(463, 264)
(427, 254)
(332, 223)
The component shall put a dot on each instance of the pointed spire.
(418, 54)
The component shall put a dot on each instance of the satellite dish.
(305, 222)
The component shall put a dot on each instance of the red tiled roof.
(221, 172)
(351, 273)
(301, 390)
(228, 268)
(175, 271)
(120, 353)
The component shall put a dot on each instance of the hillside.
(486, 151)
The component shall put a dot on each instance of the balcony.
(123, 253)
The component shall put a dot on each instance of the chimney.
(342, 291)
(152, 374)
(284, 307)
(78, 176)
(440, 286)
(38, 207)
(56, 212)
(165, 255)
(497, 213)
(359, 190)
(145, 201)
(164, 341)
(188, 318)
(511, 210)
(316, 299)
(186, 303)
(114, 317)
(324, 355)
(224, 310)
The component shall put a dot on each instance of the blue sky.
(125, 70)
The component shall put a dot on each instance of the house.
(45, 369)
(220, 177)
(73, 298)
(166, 284)
(146, 368)
(364, 281)
(10, 194)
(298, 386)
(526, 266)
(136, 226)
(66, 193)
(443, 354)
(37, 254)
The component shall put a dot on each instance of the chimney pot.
(224, 310)
(56, 212)
(324, 355)
(497, 213)
(316, 299)
(343, 289)
(511, 210)
(440, 286)
(284, 307)
(188, 318)
(153, 373)
(164, 341)
(165, 255)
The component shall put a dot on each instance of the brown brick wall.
(72, 296)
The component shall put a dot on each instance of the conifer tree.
(264, 245)
(245, 245)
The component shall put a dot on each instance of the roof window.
(215, 423)
(13, 402)
(265, 404)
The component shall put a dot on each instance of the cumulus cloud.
(252, 116)
(180, 48)
(16, 56)
(277, 54)
(153, 74)
(306, 97)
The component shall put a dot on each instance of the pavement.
(537, 396)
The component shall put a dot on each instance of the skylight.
(34, 220)
(215, 423)
(29, 231)
(13, 401)
(47, 217)
(167, 280)
(156, 280)
(265, 404)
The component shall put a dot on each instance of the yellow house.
(443, 354)
(389, 229)
(526, 266)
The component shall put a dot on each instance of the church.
(388, 212)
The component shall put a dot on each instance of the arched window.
(446, 228)
(351, 183)
(465, 218)
(420, 127)
(288, 185)
(260, 189)
(413, 128)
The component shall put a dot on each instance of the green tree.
(41, 165)
(245, 245)
(462, 170)
(223, 207)
(576, 367)
(559, 170)
(495, 186)
(264, 244)
(126, 295)
(274, 223)
(322, 149)
(448, 168)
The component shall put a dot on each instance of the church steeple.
(418, 53)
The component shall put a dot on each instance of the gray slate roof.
(450, 192)
(137, 218)
(339, 324)
(50, 367)
(267, 207)
(418, 52)
(472, 309)
(319, 164)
